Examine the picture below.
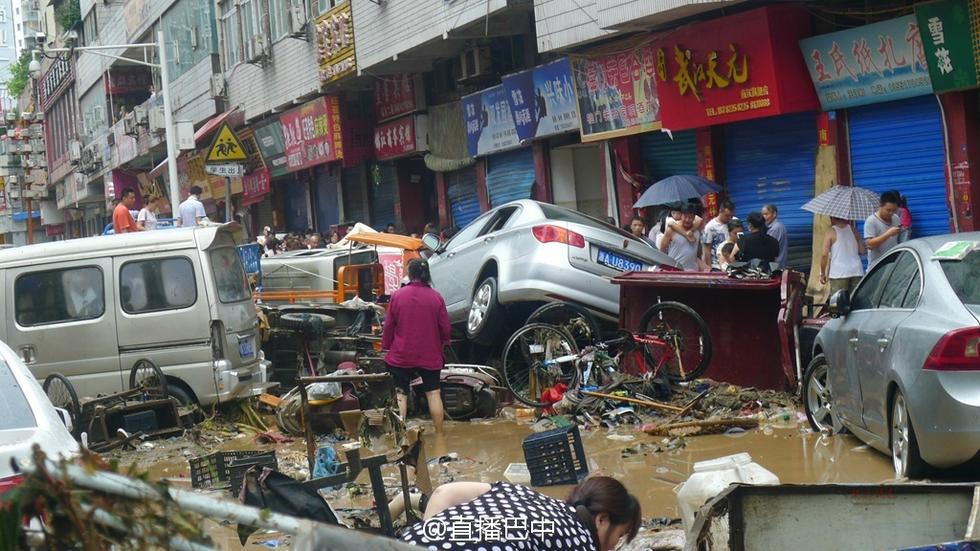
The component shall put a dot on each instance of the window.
(249, 27)
(3, 37)
(893, 293)
(468, 233)
(56, 296)
(500, 220)
(278, 18)
(866, 295)
(915, 289)
(3, 15)
(229, 275)
(231, 37)
(964, 277)
(15, 410)
(156, 285)
(327, 5)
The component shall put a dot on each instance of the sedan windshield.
(964, 277)
(15, 412)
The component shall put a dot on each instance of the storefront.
(490, 132)
(463, 198)
(666, 154)
(456, 184)
(894, 122)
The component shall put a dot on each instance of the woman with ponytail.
(416, 330)
(595, 517)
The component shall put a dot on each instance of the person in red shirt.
(122, 219)
(416, 330)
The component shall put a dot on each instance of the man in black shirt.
(757, 244)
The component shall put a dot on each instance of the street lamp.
(168, 115)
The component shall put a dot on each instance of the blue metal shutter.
(327, 201)
(352, 185)
(297, 206)
(899, 145)
(510, 176)
(773, 160)
(463, 198)
(664, 157)
(385, 194)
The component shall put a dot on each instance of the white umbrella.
(847, 202)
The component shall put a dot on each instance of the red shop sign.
(400, 137)
(397, 95)
(312, 133)
(255, 185)
(735, 68)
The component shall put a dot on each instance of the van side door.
(61, 319)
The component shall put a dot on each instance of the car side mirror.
(65, 418)
(431, 241)
(840, 303)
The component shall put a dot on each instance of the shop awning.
(212, 125)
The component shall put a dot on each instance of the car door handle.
(883, 344)
(488, 239)
(450, 255)
(854, 342)
(28, 353)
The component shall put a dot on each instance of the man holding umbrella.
(840, 263)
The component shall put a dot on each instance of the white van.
(91, 308)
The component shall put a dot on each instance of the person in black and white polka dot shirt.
(508, 517)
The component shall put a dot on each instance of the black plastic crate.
(212, 470)
(556, 457)
(141, 421)
(238, 468)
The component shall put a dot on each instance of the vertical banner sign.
(397, 95)
(734, 68)
(543, 100)
(394, 271)
(335, 43)
(870, 64)
(489, 124)
(951, 38)
(617, 93)
(312, 134)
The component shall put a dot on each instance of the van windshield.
(229, 275)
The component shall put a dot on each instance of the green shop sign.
(950, 31)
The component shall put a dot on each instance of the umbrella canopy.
(676, 189)
(847, 202)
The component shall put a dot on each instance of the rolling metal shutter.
(383, 197)
(297, 206)
(463, 198)
(352, 186)
(664, 157)
(773, 160)
(510, 176)
(899, 145)
(327, 202)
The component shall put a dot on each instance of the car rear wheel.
(486, 315)
(905, 447)
(817, 399)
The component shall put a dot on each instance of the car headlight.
(222, 365)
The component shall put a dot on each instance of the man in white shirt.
(191, 211)
(716, 232)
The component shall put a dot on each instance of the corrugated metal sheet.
(899, 145)
(297, 206)
(352, 186)
(384, 194)
(510, 176)
(773, 160)
(327, 201)
(463, 198)
(664, 157)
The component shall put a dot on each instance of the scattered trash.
(327, 463)
(621, 437)
(713, 476)
(518, 473)
(693, 428)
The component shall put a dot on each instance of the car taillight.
(555, 234)
(10, 482)
(957, 351)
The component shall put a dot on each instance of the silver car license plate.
(619, 262)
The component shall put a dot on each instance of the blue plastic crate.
(556, 457)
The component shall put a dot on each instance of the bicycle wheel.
(62, 394)
(147, 377)
(574, 319)
(684, 350)
(526, 370)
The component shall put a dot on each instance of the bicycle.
(673, 341)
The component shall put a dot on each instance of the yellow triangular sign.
(226, 147)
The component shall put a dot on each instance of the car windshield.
(964, 277)
(15, 412)
(552, 212)
(229, 275)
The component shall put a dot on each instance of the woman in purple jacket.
(416, 331)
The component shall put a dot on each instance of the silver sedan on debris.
(526, 251)
(899, 364)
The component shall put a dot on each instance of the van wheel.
(146, 377)
(181, 395)
(486, 315)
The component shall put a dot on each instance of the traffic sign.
(224, 169)
(226, 147)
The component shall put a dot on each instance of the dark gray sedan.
(899, 364)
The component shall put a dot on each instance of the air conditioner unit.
(75, 151)
(37, 145)
(258, 50)
(129, 125)
(11, 116)
(13, 179)
(110, 139)
(474, 62)
(217, 86)
(297, 20)
(139, 115)
(39, 116)
(37, 131)
(156, 120)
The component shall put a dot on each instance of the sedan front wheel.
(485, 315)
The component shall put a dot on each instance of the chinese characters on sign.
(543, 100)
(58, 74)
(489, 123)
(870, 64)
(124, 80)
(396, 95)
(399, 137)
(950, 32)
(733, 69)
(255, 185)
(617, 93)
(335, 43)
(312, 134)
